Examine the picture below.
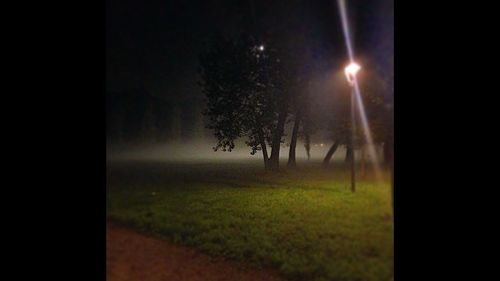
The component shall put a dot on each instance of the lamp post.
(350, 72)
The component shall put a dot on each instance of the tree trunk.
(266, 158)
(348, 152)
(330, 153)
(264, 150)
(307, 145)
(274, 160)
(293, 144)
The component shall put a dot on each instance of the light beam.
(350, 73)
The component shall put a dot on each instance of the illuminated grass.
(306, 224)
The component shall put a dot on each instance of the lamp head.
(350, 71)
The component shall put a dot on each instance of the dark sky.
(154, 45)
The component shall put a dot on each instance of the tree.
(307, 143)
(293, 143)
(303, 65)
(330, 153)
(373, 89)
(340, 122)
(288, 28)
(304, 124)
(241, 82)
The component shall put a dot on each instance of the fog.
(141, 127)
(167, 131)
(202, 151)
(154, 106)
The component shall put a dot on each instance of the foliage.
(237, 79)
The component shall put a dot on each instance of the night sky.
(154, 45)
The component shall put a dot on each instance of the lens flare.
(345, 27)
(351, 77)
(366, 131)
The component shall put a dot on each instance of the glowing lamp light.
(350, 71)
(261, 48)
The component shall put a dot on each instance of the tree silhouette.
(241, 80)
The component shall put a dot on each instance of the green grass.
(306, 224)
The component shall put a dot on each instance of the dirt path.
(133, 256)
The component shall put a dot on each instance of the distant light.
(321, 145)
(261, 48)
(351, 70)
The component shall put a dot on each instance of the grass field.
(306, 224)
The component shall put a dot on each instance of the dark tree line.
(137, 116)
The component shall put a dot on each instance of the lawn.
(306, 224)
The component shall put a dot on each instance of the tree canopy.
(240, 79)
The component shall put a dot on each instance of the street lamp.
(350, 73)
